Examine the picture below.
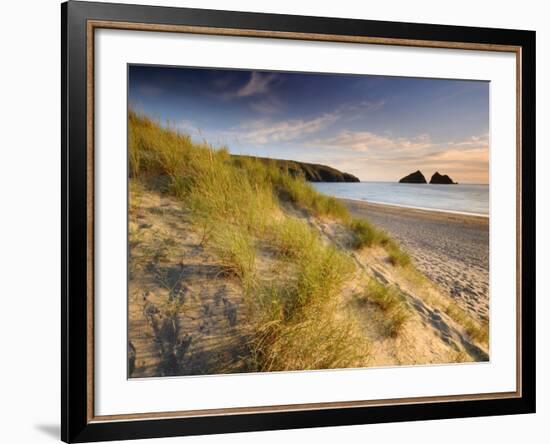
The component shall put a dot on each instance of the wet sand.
(451, 249)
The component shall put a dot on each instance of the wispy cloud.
(365, 141)
(445, 157)
(266, 131)
(260, 131)
(257, 84)
(187, 126)
(263, 131)
(473, 141)
(271, 131)
(360, 109)
(267, 105)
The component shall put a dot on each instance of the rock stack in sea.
(441, 179)
(416, 177)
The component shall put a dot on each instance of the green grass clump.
(329, 206)
(365, 234)
(302, 194)
(290, 186)
(295, 328)
(396, 255)
(384, 296)
(293, 238)
(154, 150)
(236, 252)
(321, 274)
(320, 341)
(317, 271)
(391, 302)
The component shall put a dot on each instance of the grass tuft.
(236, 252)
(318, 341)
(293, 238)
(391, 302)
(365, 234)
(396, 255)
(302, 194)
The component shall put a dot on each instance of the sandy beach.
(451, 249)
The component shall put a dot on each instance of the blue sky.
(376, 127)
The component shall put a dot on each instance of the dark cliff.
(312, 172)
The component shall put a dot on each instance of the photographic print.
(292, 221)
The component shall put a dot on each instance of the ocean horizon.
(459, 198)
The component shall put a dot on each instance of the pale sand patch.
(185, 317)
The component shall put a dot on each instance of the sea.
(460, 198)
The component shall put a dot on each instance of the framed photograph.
(276, 221)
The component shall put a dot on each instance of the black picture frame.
(76, 423)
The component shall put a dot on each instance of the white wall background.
(30, 208)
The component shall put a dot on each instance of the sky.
(379, 128)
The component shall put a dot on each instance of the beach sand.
(451, 249)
